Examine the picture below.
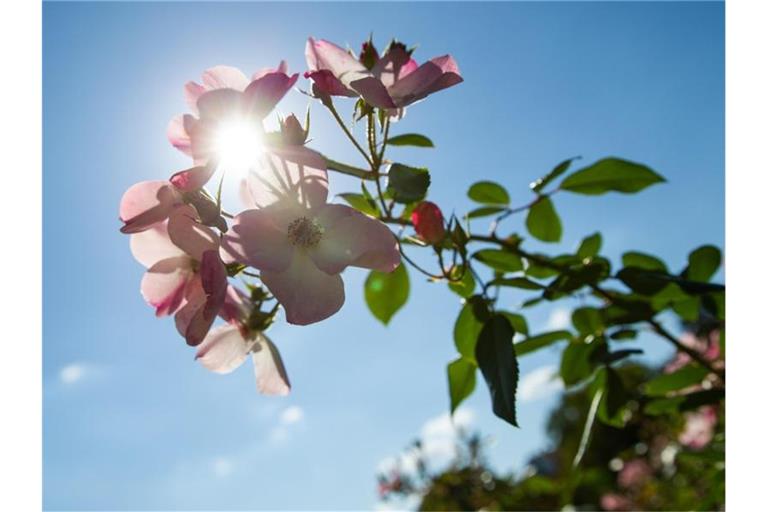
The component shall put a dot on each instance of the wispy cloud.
(539, 383)
(438, 437)
(222, 467)
(72, 373)
(559, 318)
(288, 420)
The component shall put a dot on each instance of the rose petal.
(178, 135)
(224, 349)
(353, 238)
(147, 203)
(192, 92)
(326, 83)
(189, 235)
(373, 92)
(223, 77)
(271, 377)
(213, 275)
(292, 174)
(220, 104)
(439, 73)
(153, 245)
(258, 238)
(264, 93)
(163, 285)
(236, 305)
(281, 68)
(322, 54)
(307, 293)
(192, 179)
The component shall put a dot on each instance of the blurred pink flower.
(634, 473)
(699, 428)
(226, 96)
(185, 274)
(612, 501)
(227, 347)
(394, 81)
(299, 242)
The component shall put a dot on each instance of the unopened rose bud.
(428, 222)
(292, 131)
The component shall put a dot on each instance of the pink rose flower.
(227, 347)
(699, 428)
(227, 97)
(394, 81)
(634, 473)
(612, 501)
(149, 202)
(428, 222)
(185, 274)
(298, 241)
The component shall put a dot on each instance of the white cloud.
(291, 415)
(559, 318)
(438, 438)
(539, 383)
(72, 373)
(290, 418)
(222, 467)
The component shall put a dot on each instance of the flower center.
(304, 232)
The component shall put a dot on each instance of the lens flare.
(238, 146)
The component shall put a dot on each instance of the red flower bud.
(428, 222)
(292, 131)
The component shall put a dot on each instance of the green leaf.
(663, 406)
(499, 260)
(516, 282)
(461, 381)
(534, 343)
(684, 377)
(407, 184)
(611, 175)
(642, 260)
(590, 246)
(542, 182)
(703, 263)
(624, 334)
(485, 211)
(386, 293)
(614, 397)
(588, 321)
(577, 361)
(465, 287)
(519, 324)
(410, 139)
(360, 203)
(488, 192)
(495, 355)
(468, 325)
(543, 222)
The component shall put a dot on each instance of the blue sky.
(131, 422)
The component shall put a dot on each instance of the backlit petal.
(271, 377)
(224, 349)
(353, 238)
(153, 245)
(147, 203)
(258, 238)
(308, 294)
(163, 285)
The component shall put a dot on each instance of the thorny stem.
(349, 170)
(376, 162)
(349, 135)
(605, 295)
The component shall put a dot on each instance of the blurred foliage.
(669, 461)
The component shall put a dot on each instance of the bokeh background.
(131, 422)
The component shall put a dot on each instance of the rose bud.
(293, 133)
(428, 222)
